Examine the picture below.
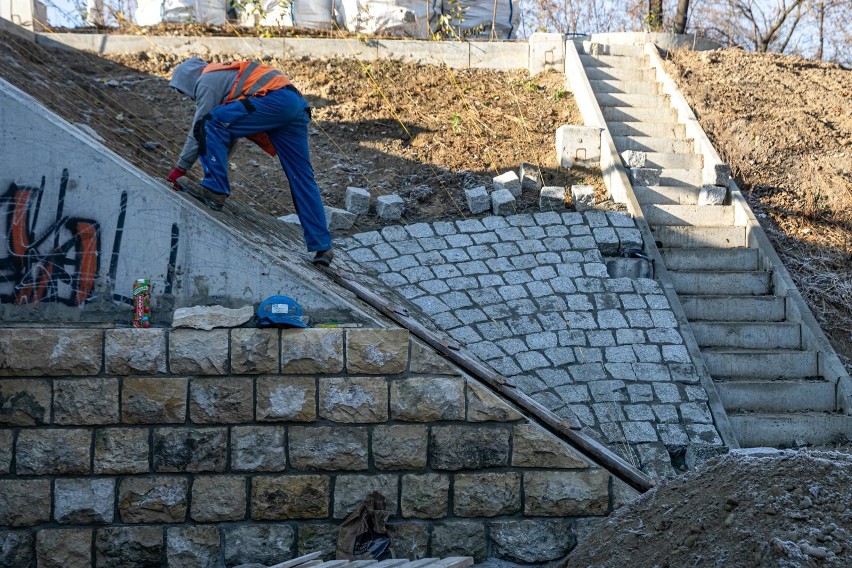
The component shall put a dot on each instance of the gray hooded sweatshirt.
(207, 90)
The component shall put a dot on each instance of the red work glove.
(176, 173)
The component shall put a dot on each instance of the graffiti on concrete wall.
(54, 260)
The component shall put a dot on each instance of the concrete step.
(776, 429)
(670, 161)
(755, 283)
(666, 195)
(632, 87)
(681, 177)
(785, 395)
(690, 215)
(660, 102)
(763, 364)
(747, 335)
(699, 237)
(629, 114)
(589, 47)
(615, 61)
(711, 259)
(670, 129)
(619, 74)
(733, 308)
(667, 145)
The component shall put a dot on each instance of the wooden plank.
(311, 563)
(453, 562)
(565, 429)
(420, 563)
(332, 564)
(360, 563)
(391, 563)
(298, 561)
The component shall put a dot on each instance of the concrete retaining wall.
(187, 447)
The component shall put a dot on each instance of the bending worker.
(248, 100)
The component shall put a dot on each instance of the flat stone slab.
(209, 317)
(503, 202)
(390, 207)
(508, 181)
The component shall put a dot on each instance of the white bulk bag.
(407, 18)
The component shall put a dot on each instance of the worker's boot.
(211, 199)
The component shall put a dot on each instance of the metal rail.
(568, 430)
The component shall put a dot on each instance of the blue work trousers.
(283, 115)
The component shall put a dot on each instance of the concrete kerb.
(618, 184)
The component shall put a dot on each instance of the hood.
(186, 74)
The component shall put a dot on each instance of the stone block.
(485, 406)
(192, 546)
(487, 494)
(634, 158)
(530, 176)
(566, 494)
(357, 200)
(24, 502)
(645, 176)
(190, 449)
(198, 352)
(478, 200)
(84, 501)
(400, 446)
(503, 202)
(24, 402)
(577, 144)
(85, 401)
(309, 351)
(317, 538)
(409, 540)
(353, 400)
(531, 541)
(17, 549)
(328, 448)
(698, 454)
(135, 351)
(350, 490)
(5, 451)
(583, 197)
(339, 219)
(291, 219)
(290, 497)
(552, 198)
(425, 496)
(265, 545)
(221, 400)
(712, 194)
(218, 498)
(469, 447)
(210, 317)
(258, 448)
(424, 359)
(286, 399)
(51, 352)
(460, 538)
(53, 452)
(508, 181)
(606, 240)
(121, 450)
(390, 207)
(156, 499)
(120, 547)
(425, 399)
(720, 174)
(159, 400)
(254, 351)
(535, 447)
(64, 548)
(377, 351)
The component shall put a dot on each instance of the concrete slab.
(499, 55)
(659, 129)
(666, 195)
(691, 215)
(733, 308)
(634, 101)
(630, 114)
(779, 429)
(617, 61)
(672, 161)
(653, 144)
(752, 335)
(711, 259)
(680, 178)
(453, 54)
(616, 86)
(316, 48)
(714, 282)
(768, 364)
(701, 237)
(777, 395)
(618, 74)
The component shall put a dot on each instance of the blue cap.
(280, 311)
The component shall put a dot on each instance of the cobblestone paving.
(531, 296)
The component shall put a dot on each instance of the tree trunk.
(681, 16)
(655, 15)
(821, 19)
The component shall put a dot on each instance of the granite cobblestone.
(530, 295)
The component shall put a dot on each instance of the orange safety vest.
(253, 80)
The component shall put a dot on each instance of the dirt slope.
(785, 126)
(425, 132)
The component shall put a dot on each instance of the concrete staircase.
(768, 379)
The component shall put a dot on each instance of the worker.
(247, 100)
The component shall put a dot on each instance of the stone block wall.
(152, 447)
